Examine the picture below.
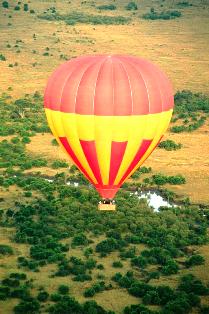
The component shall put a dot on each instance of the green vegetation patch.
(6, 249)
(131, 6)
(191, 109)
(84, 18)
(107, 7)
(169, 145)
(164, 15)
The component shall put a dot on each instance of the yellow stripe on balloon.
(90, 127)
(65, 125)
(159, 131)
(105, 129)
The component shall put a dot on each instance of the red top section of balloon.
(109, 86)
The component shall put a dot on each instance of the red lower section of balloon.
(108, 191)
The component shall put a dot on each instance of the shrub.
(26, 140)
(107, 246)
(6, 249)
(63, 289)
(139, 261)
(31, 306)
(66, 305)
(82, 277)
(89, 292)
(17, 8)
(131, 6)
(204, 309)
(139, 289)
(117, 264)
(42, 296)
(195, 260)
(5, 4)
(25, 7)
(59, 164)
(190, 284)
(170, 268)
(79, 17)
(137, 308)
(2, 57)
(153, 15)
(160, 179)
(169, 145)
(151, 297)
(19, 276)
(80, 239)
(54, 142)
(184, 4)
(32, 11)
(107, 7)
(55, 297)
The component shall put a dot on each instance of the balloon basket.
(107, 207)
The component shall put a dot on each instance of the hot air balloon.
(108, 112)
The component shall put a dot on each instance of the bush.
(59, 164)
(42, 296)
(79, 17)
(80, 239)
(2, 57)
(170, 268)
(107, 7)
(204, 309)
(19, 276)
(5, 4)
(139, 289)
(25, 7)
(63, 289)
(139, 261)
(190, 284)
(82, 277)
(168, 15)
(89, 292)
(131, 6)
(107, 246)
(6, 249)
(17, 8)
(97, 287)
(137, 309)
(26, 140)
(117, 264)
(160, 179)
(54, 142)
(195, 260)
(184, 4)
(27, 307)
(55, 297)
(169, 145)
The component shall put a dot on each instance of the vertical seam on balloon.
(135, 168)
(113, 105)
(131, 114)
(133, 64)
(87, 68)
(91, 173)
(60, 116)
(96, 81)
(129, 85)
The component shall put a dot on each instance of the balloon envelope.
(108, 113)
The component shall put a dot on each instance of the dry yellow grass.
(180, 47)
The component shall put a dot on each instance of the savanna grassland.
(58, 254)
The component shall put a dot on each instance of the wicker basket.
(106, 206)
